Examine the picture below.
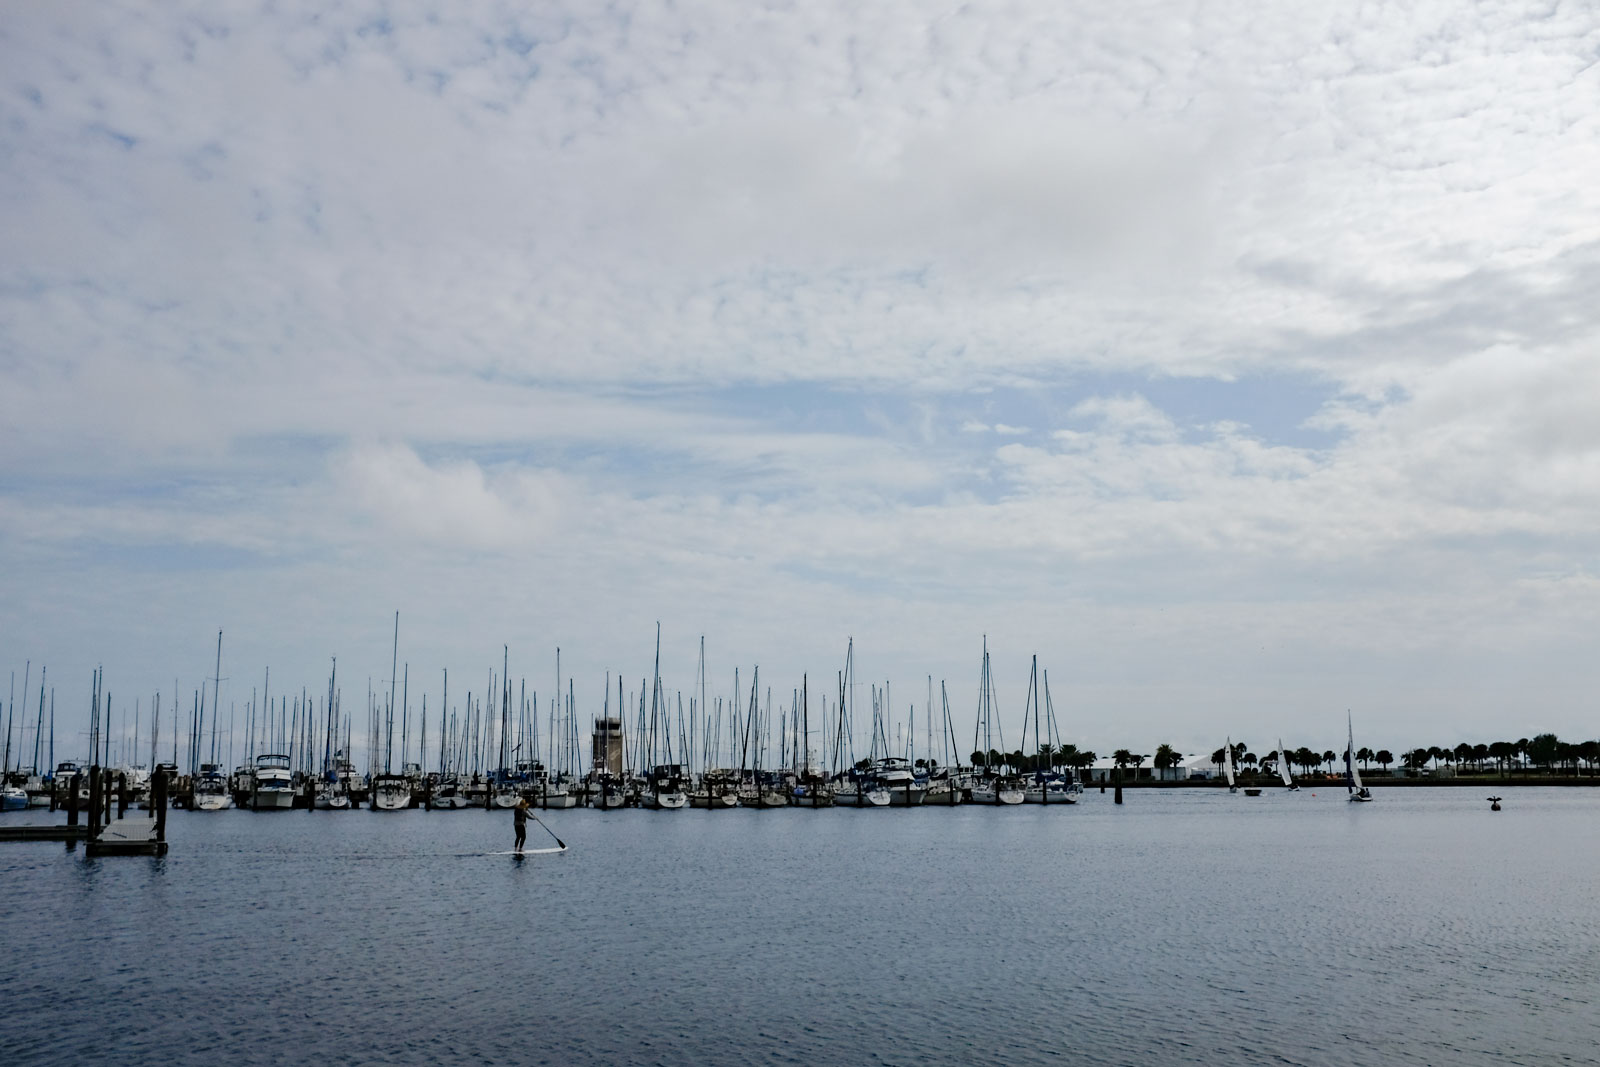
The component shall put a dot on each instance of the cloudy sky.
(1238, 360)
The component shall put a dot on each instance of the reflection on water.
(1181, 927)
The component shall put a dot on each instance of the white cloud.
(366, 293)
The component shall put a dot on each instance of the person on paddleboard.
(519, 819)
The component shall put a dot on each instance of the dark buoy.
(1494, 803)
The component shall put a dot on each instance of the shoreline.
(1371, 783)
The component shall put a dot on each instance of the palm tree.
(1045, 760)
(1567, 753)
(1328, 757)
(1543, 750)
(1165, 757)
(1363, 754)
(1383, 757)
(1501, 752)
(1588, 751)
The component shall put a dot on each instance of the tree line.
(1543, 752)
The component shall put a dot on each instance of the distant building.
(1102, 771)
(606, 752)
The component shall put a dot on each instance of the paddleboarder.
(519, 819)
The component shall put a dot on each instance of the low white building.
(1198, 767)
(1100, 772)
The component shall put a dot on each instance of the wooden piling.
(158, 803)
(94, 799)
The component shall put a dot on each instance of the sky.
(1237, 360)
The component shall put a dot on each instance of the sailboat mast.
(394, 669)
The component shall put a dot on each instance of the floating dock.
(128, 837)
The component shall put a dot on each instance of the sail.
(1227, 760)
(1352, 774)
(1283, 764)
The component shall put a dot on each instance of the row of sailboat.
(1355, 791)
(489, 753)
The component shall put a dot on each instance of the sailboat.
(331, 796)
(1227, 765)
(1352, 774)
(991, 787)
(1283, 768)
(391, 792)
(663, 790)
(211, 791)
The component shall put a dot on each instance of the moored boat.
(211, 792)
(1357, 792)
(1050, 789)
(997, 790)
(390, 792)
(272, 787)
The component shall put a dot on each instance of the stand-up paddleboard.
(528, 852)
(561, 846)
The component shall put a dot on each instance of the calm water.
(1182, 927)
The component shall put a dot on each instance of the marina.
(870, 494)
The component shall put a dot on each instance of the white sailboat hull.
(906, 796)
(866, 798)
(989, 794)
(336, 802)
(391, 798)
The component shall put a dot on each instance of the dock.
(42, 833)
(128, 837)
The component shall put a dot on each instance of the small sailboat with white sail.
(1283, 768)
(1227, 766)
(1357, 792)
